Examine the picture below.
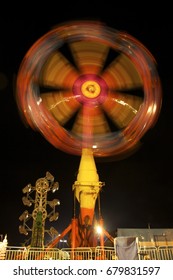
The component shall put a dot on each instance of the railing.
(105, 253)
(97, 253)
(23, 253)
(156, 253)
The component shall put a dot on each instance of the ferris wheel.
(86, 85)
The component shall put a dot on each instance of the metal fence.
(156, 253)
(97, 253)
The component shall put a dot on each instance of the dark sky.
(138, 189)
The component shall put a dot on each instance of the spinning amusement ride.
(91, 91)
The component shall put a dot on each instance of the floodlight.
(99, 229)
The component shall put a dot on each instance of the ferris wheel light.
(94, 146)
(23, 230)
(54, 217)
(55, 187)
(54, 202)
(26, 201)
(53, 231)
(49, 176)
(27, 189)
(24, 216)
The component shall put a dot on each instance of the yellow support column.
(87, 186)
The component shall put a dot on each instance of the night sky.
(138, 189)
